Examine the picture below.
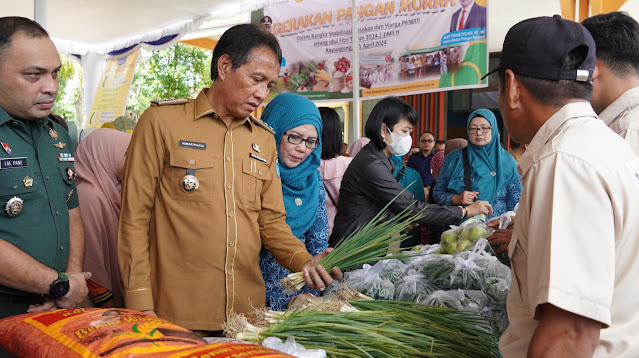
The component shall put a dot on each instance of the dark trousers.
(11, 305)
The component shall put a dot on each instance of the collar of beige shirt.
(203, 108)
(627, 100)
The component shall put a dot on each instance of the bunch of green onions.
(353, 334)
(366, 245)
(469, 334)
(384, 329)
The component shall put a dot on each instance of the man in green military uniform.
(41, 233)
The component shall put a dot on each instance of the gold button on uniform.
(230, 272)
(259, 172)
(231, 214)
(228, 186)
(232, 243)
(228, 159)
(192, 161)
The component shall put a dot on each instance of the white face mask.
(401, 145)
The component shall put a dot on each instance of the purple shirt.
(421, 163)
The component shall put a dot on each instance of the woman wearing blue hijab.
(298, 129)
(493, 173)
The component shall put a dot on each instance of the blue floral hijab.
(300, 185)
(492, 167)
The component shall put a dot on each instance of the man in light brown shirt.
(202, 195)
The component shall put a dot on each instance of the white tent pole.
(40, 12)
(355, 121)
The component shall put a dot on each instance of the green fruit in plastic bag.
(449, 247)
(477, 232)
(449, 236)
(463, 245)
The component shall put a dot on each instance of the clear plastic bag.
(466, 275)
(369, 282)
(413, 287)
(475, 301)
(505, 220)
(472, 233)
(437, 269)
(293, 348)
(393, 270)
(496, 288)
(446, 299)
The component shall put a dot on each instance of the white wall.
(503, 14)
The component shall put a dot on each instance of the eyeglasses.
(311, 143)
(426, 140)
(473, 130)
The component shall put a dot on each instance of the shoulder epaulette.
(168, 101)
(262, 124)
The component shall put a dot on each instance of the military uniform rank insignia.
(6, 147)
(27, 181)
(65, 157)
(69, 195)
(53, 134)
(14, 207)
(255, 147)
(60, 145)
(190, 181)
(70, 174)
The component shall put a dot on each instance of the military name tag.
(189, 144)
(8, 163)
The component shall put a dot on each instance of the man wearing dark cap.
(574, 247)
(615, 95)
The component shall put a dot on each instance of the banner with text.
(110, 98)
(405, 46)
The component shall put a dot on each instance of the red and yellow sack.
(113, 333)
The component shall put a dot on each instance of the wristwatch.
(60, 287)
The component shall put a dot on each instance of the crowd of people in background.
(202, 209)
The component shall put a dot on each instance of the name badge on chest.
(9, 163)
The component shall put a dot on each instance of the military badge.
(14, 207)
(27, 181)
(70, 174)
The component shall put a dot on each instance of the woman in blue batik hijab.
(298, 128)
(493, 171)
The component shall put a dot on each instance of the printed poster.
(110, 98)
(405, 46)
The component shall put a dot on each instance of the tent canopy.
(84, 26)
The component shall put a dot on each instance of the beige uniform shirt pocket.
(253, 177)
(201, 163)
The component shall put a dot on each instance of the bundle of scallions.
(371, 243)
(384, 329)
